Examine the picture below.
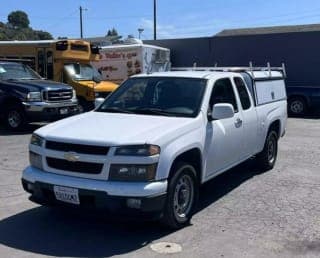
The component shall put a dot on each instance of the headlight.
(132, 172)
(74, 94)
(138, 150)
(36, 140)
(34, 96)
(35, 160)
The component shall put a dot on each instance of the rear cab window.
(243, 93)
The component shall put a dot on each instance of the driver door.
(224, 137)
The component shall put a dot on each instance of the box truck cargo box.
(118, 62)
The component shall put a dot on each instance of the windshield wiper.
(115, 110)
(153, 111)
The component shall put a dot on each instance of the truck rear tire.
(15, 118)
(181, 197)
(297, 106)
(267, 158)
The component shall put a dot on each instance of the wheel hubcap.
(271, 150)
(183, 197)
(14, 119)
(296, 107)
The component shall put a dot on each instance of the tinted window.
(223, 93)
(243, 93)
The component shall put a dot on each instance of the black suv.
(26, 97)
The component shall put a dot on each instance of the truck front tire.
(181, 197)
(267, 158)
(15, 118)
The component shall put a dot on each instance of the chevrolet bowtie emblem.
(71, 156)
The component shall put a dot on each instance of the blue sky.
(176, 18)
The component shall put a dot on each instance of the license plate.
(66, 194)
(64, 111)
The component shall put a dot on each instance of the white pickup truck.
(150, 145)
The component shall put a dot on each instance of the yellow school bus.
(66, 61)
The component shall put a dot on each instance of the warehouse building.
(296, 46)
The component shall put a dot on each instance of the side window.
(223, 93)
(243, 93)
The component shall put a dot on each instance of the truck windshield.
(16, 71)
(166, 96)
(82, 72)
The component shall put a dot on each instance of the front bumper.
(46, 111)
(96, 194)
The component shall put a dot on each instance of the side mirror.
(98, 102)
(96, 78)
(222, 111)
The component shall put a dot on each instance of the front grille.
(57, 95)
(78, 166)
(79, 148)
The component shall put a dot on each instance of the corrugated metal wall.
(299, 51)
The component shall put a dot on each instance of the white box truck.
(118, 62)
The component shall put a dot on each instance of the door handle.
(238, 123)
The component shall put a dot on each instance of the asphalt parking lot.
(242, 213)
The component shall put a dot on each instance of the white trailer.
(119, 62)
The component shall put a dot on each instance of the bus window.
(30, 61)
(62, 45)
(41, 63)
(49, 65)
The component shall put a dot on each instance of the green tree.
(42, 35)
(112, 32)
(17, 28)
(18, 19)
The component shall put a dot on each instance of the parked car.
(26, 97)
(150, 144)
(301, 99)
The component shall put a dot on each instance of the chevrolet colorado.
(150, 145)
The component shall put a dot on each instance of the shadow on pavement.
(69, 233)
(27, 130)
(218, 187)
(73, 233)
(312, 114)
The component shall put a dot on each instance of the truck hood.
(112, 129)
(105, 86)
(38, 85)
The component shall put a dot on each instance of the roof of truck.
(184, 74)
(125, 46)
(212, 74)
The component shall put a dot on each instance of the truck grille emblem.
(71, 156)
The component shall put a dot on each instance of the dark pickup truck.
(27, 97)
(302, 99)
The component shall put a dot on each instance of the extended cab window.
(243, 93)
(223, 93)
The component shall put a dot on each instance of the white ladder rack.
(250, 68)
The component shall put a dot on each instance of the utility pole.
(81, 10)
(154, 19)
(140, 30)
